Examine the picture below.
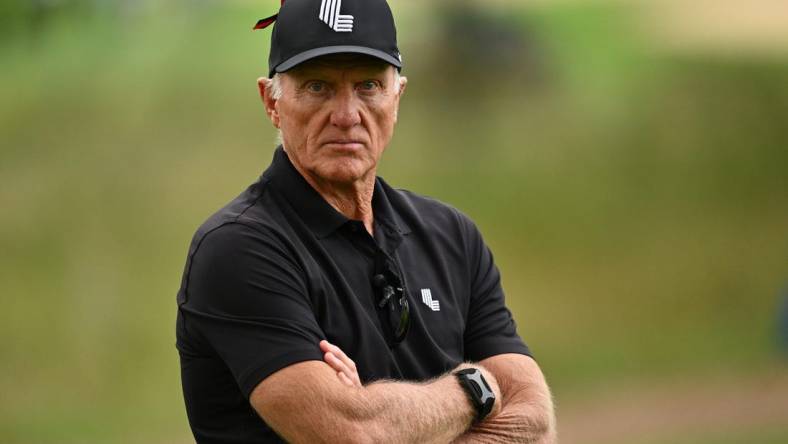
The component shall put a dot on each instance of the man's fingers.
(346, 375)
(345, 379)
(329, 347)
(340, 362)
(335, 362)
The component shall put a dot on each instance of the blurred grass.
(775, 435)
(636, 201)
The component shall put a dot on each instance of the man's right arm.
(306, 402)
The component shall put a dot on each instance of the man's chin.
(343, 171)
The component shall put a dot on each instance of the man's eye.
(316, 87)
(369, 85)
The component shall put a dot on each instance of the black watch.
(480, 393)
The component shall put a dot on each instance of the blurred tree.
(479, 41)
(30, 17)
(27, 18)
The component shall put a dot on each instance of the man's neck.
(353, 200)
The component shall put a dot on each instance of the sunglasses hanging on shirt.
(391, 297)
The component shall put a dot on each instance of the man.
(322, 305)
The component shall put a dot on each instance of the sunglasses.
(393, 298)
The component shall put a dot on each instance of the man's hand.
(341, 363)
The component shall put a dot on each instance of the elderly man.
(322, 305)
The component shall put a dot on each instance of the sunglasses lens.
(398, 312)
(403, 323)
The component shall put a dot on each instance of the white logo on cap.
(329, 14)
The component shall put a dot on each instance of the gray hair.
(275, 87)
(276, 90)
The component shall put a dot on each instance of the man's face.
(336, 115)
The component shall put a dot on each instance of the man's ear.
(264, 87)
(403, 83)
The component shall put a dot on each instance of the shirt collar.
(321, 218)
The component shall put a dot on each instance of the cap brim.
(317, 52)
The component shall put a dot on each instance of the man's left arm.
(526, 414)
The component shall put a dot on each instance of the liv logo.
(329, 14)
(426, 297)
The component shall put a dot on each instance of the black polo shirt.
(278, 269)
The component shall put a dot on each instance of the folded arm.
(524, 408)
(308, 402)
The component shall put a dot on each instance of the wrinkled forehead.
(342, 62)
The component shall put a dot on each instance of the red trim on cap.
(266, 22)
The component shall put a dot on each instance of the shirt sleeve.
(490, 328)
(247, 301)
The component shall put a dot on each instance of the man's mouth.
(346, 144)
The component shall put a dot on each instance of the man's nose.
(345, 112)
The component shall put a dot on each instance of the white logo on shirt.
(329, 14)
(426, 297)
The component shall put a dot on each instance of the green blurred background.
(626, 161)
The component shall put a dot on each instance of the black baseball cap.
(306, 29)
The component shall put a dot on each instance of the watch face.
(478, 390)
(485, 392)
